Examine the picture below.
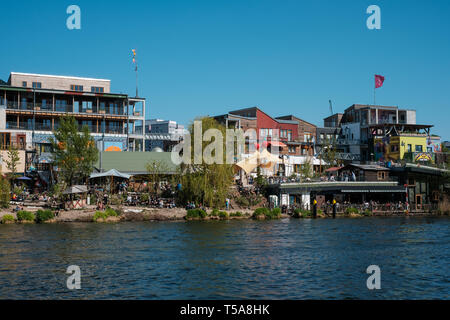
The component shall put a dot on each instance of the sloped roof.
(134, 163)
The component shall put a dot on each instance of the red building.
(284, 129)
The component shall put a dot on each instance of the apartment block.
(31, 106)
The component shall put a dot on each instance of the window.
(24, 84)
(5, 140)
(307, 136)
(381, 175)
(37, 85)
(292, 149)
(419, 148)
(75, 87)
(409, 149)
(97, 89)
(289, 135)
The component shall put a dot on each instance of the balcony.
(22, 126)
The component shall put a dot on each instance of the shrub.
(302, 213)
(223, 215)
(196, 213)
(268, 214)
(99, 215)
(351, 210)
(44, 215)
(236, 214)
(367, 213)
(25, 216)
(7, 218)
(144, 197)
(214, 213)
(109, 212)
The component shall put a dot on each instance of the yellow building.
(394, 148)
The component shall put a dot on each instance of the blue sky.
(210, 57)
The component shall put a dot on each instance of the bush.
(236, 214)
(100, 215)
(25, 216)
(367, 213)
(109, 212)
(223, 215)
(144, 197)
(214, 213)
(351, 210)
(44, 215)
(302, 213)
(7, 218)
(196, 214)
(268, 214)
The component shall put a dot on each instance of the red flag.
(378, 81)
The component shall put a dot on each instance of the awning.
(277, 144)
(332, 169)
(76, 189)
(110, 173)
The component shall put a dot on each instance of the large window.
(419, 148)
(61, 105)
(37, 85)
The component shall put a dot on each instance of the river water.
(285, 259)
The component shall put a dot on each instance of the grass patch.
(25, 216)
(109, 212)
(7, 218)
(196, 214)
(265, 213)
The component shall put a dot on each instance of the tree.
(12, 162)
(306, 169)
(74, 153)
(5, 192)
(207, 183)
(329, 153)
(156, 170)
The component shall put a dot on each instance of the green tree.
(5, 192)
(12, 162)
(207, 183)
(328, 154)
(74, 152)
(306, 169)
(156, 173)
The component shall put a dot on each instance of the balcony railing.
(21, 126)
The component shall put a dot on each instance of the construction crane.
(331, 107)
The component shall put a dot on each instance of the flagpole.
(374, 95)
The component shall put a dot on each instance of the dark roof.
(3, 82)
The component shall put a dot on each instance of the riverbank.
(180, 214)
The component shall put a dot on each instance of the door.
(21, 141)
(418, 201)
